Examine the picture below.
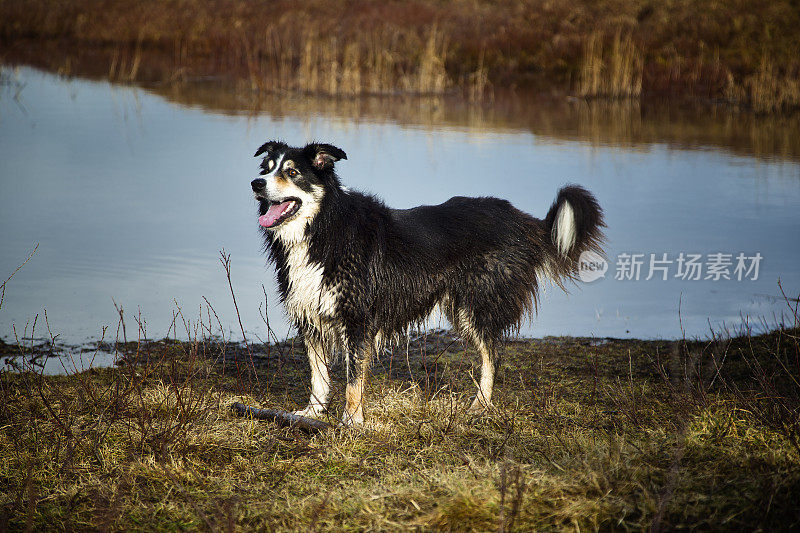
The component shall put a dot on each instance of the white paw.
(310, 411)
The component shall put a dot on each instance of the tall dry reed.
(610, 69)
(767, 90)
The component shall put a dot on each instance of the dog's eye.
(292, 173)
(270, 164)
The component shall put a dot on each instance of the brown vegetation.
(613, 72)
(743, 51)
(586, 435)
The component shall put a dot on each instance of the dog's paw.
(310, 411)
(479, 408)
(355, 419)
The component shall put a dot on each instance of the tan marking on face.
(282, 174)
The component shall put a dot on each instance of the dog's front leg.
(358, 362)
(318, 358)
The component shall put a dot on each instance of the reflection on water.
(619, 123)
(132, 193)
(66, 360)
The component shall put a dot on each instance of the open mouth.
(279, 212)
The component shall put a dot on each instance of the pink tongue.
(274, 213)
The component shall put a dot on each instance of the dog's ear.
(323, 156)
(269, 147)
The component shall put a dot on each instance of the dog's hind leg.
(465, 323)
(318, 358)
(489, 365)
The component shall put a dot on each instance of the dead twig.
(282, 418)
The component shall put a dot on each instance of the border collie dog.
(354, 273)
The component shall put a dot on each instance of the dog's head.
(292, 183)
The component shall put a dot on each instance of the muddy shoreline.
(423, 349)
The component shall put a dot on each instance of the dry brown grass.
(586, 435)
(613, 70)
(768, 90)
(707, 49)
(328, 66)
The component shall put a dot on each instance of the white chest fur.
(309, 299)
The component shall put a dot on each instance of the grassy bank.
(587, 434)
(744, 52)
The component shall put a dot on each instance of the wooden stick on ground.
(283, 418)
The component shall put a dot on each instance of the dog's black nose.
(258, 184)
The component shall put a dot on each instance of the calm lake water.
(131, 194)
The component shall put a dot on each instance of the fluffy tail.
(575, 222)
